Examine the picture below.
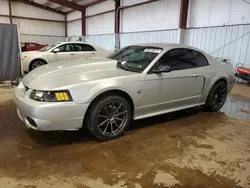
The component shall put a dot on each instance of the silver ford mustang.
(105, 94)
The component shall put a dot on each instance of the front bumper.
(48, 116)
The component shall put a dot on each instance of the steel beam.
(40, 6)
(183, 14)
(84, 22)
(68, 4)
(10, 12)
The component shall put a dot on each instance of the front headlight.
(51, 96)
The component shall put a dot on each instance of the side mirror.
(56, 50)
(161, 69)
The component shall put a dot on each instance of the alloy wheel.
(219, 97)
(37, 64)
(112, 118)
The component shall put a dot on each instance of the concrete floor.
(184, 149)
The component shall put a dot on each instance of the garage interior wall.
(149, 26)
(100, 28)
(31, 30)
(221, 28)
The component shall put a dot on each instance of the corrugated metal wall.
(105, 41)
(231, 42)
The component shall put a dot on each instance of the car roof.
(167, 46)
(96, 47)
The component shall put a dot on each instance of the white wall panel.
(40, 27)
(4, 7)
(157, 15)
(21, 9)
(74, 15)
(130, 2)
(218, 12)
(167, 36)
(240, 12)
(4, 19)
(42, 39)
(75, 28)
(101, 7)
(103, 24)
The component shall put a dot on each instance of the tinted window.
(86, 47)
(179, 59)
(66, 48)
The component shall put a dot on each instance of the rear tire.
(108, 117)
(216, 97)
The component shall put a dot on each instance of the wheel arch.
(118, 92)
(41, 59)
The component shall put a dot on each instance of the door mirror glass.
(56, 50)
(161, 69)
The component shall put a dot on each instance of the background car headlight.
(51, 96)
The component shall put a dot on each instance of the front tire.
(108, 117)
(36, 63)
(216, 97)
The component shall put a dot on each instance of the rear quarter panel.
(216, 71)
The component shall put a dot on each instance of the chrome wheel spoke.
(106, 128)
(116, 118)
(111, 127)
(103, 116)
(120, 113)
(117, 125)
(103, 122)
(118, 108)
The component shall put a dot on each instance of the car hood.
(64, 74)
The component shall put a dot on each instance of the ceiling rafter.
(30, 2)
(69, 4)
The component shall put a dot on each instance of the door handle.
(195, 75)
(72, 54)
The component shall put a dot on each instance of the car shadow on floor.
(69, 137)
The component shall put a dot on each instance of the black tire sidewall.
(93, 112)
(209, 102)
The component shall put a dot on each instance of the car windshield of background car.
(135, 58)
(46, 48)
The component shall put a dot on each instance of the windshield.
(46, 48)
(135, 58)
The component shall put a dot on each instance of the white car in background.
(59, 52)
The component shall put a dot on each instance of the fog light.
(31, 121)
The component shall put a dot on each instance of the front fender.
(89, 92)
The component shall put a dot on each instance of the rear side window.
(84, 47)
(179, 59)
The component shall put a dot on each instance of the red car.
(31, 46)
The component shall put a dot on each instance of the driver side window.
(178, 59)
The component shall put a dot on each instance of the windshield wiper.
(122, 66)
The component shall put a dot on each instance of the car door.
(84, 50)
(66, 52)
(178, 88)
